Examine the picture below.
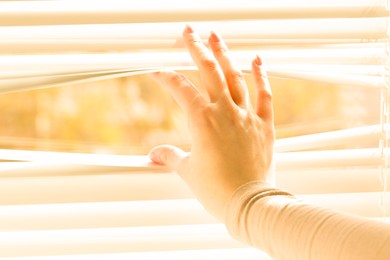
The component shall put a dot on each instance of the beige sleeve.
(288, 228)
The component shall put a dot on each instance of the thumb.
(168, 155)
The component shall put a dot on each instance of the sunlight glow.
(62, 205)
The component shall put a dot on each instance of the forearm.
(288, 228)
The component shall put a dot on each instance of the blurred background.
(132, 114)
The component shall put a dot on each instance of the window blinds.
(84, 40)
(63, 205)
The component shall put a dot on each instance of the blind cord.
(384, 120)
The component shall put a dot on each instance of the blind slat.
(338, 28)
(124, 186)
(117, 11)
(112, 240)
(307, 159)
(124, 214)
(103, 215)
(205, 254)
(358, 135)
(117, 214)
(11, 85)
(21, 72)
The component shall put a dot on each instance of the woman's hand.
(232, 143)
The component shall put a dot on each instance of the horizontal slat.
(299, 172)
(93, 188)
(122, 62)
(124, 186)
(25, 83)
(142, 186)
(359, 135)
(143, 213)
(363, 204)
(344, 66)
(364, 136)
(115, 240)
(134, 162)
(49, 46)
(44, 169)
(205, 254)
(368, 157)
(117, 11)
(320, 181)
(338, 28)
(103, 215)
(163, 33)
(40, 169)
(288, 67)
(111, 240)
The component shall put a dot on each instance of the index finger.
(210, 70)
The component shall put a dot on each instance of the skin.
(232, 142)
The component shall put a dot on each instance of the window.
(79, 114)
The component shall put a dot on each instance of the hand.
(232, 143)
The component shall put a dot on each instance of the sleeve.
(288, 228)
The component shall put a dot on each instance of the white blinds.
(57, 42)
(106, 206)
(120, 204)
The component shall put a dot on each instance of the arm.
(229, 167)
(288, 228)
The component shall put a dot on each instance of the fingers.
(234, 77)
(264, 107)
(183, 91)
(168, 155)
(210, 70)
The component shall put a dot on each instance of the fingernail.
(153, 156)
(188, 29)
(258, 61)
(215, 37)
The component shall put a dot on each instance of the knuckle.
(203, 113)
(221, 50)
(177, 78)
(237, 75)
(209, 65)
(196, 101)
(193, 40)
(206, 110)
(265, 95)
